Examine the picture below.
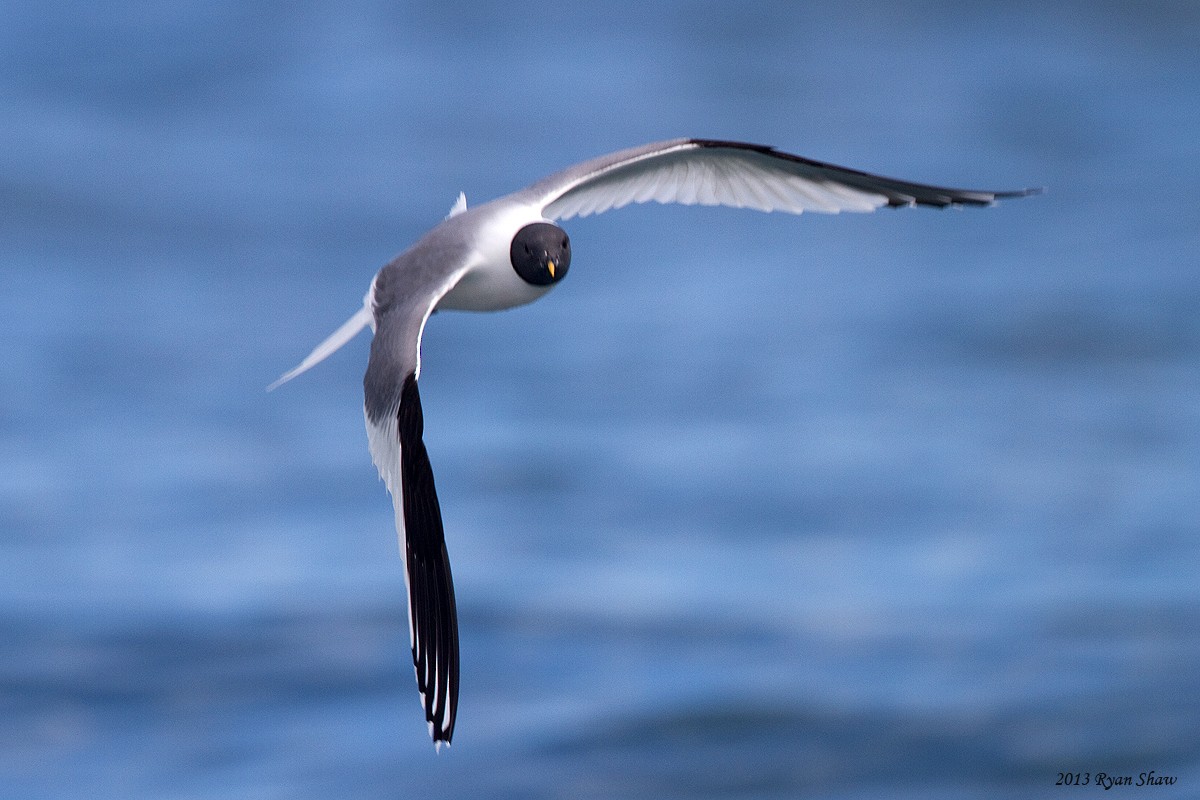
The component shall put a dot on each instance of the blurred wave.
(892, 505)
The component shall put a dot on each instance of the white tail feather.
(350, 328)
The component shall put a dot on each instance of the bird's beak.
(550, 266)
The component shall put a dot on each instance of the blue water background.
(751, 506)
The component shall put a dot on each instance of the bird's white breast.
(490, 283)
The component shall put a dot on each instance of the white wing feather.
(690, 175)
(736, 174)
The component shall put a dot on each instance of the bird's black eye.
(540, 253)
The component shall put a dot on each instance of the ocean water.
(751, 506)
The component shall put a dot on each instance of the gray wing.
(710, 172)
(401, 303)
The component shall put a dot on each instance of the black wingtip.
(1030, 192)
(430, 585)
(937, 197)
(900, 194)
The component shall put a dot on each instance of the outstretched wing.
(709, 172)
(392, 408)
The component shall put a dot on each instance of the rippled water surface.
(892, 505)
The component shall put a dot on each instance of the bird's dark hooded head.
(541, 253)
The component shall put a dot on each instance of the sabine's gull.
(509, 252)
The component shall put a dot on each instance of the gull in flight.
(509, 252)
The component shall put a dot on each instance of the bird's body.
(508, 252)
(489, 282)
